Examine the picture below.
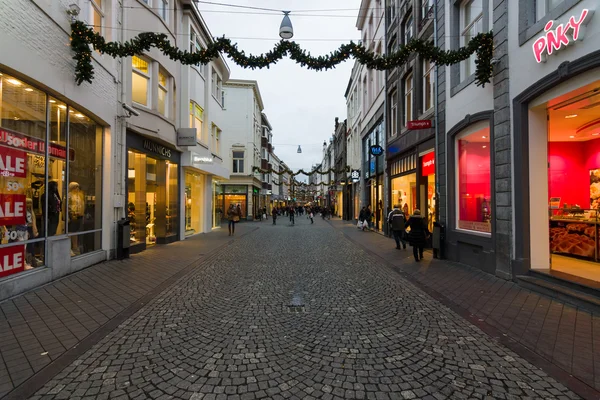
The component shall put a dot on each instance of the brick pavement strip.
(298, 312)
(38, 327)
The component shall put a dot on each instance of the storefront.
(195, 184)
(373, 168)
(153, 192)
(51, 163)
(236, 195)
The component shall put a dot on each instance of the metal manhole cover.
(296, 309)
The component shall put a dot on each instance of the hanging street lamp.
(285, 29)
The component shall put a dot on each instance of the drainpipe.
(436, 121)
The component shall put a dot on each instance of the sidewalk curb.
(29, 387)
(577, 386)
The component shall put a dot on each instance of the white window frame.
(428, 73)
(95, 7)
(467, 67)
(148, 77)
(237, 162)
(163, 10)
(543, 7)
(165, 89)
(195, 116)
(394, 113)
(408, 99)
(425, 7)
(409, 27)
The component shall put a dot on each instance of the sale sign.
(13, 163)
(12, 260)
(12, 209)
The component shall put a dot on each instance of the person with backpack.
(397, 221)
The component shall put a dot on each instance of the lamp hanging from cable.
(299, 149)
(285, 29)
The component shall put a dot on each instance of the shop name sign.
(561, 36)
(419, 124)
(376, 150)
(157, 148)
(355, 175)
(428, 164)
(202, 160)
(186, 137)
(34, 145)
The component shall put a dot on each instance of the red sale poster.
(13, 163)
(12, 209)
(12, 260)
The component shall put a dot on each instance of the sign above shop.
(355, 175)
(157, 148)
(202, 160)
(561, 36)
(376, 150)
(428, 164)
(186, 137)
(419, 124)
(34, 145)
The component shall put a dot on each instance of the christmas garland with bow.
(82, 36)
(300, 171)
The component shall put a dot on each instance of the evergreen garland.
(300, 171)
(83, 39)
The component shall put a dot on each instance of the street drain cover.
(296, 309)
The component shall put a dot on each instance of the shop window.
(471, 24)
(171, 198)
(163, 93)
(140, 81)
(394, 113)
(473, 179)
(84, 191)
(408, 99)
(238, 162)
(22, 176)
(216, 137)
(365, 100)
(392, 10)
(97, 16)
(404, 193)
(217, 205)
(428, 83)
(163, 9)
(427, 9)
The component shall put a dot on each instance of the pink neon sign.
(561, 36)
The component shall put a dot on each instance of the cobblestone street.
(297, 312)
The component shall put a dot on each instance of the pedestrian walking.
(274, 215)
(397, 221)
(417, 237)
(312, 221)
(233, 214)
(264, 211)
(361, 218)
(292, 215)
(368, 216)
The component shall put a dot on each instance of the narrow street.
(298, 312)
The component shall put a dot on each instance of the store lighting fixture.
(572, 137)
(14, 82)
(570, 116)
(28, 89)
(71, 111)
(62, 106)
(596, 134)
(79, 115)
(484, 147)
(52, 101)
(484, 137)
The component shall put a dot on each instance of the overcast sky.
(300, 104)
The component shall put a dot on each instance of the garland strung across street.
(82, 36)
(300, 171)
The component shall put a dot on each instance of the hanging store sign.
(419, 124)
(12, 260)
(561, 36)
(428, 164)
(355, 175)
(186, 137)
(376, 150)
(33, 145)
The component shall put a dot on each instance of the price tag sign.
(12, 260)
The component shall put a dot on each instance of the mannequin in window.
(32, 232)
(76, 205)
(54, 207)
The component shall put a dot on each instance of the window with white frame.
(543, 7)
(140, 81)
(393, 10)
(428, 83)
(97, 16)
(238, 162)
(408, 99)
(163, 92)
(408, 29)
(427, 9)
(217, 146)
(196, 121)
(394, 113)
(163, 9)
(223, 98)
(471, 23)
(196, 47)
(214, 83)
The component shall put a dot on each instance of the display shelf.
(574, 233)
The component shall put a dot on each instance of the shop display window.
(218, 209)
(404, 193)
(473, 179)
(172, 198)
(84, 191)
(193, 201)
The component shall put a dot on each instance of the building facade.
(242, 147)
(57, 209)
(353, 97)
(266, 153)
(340, 177)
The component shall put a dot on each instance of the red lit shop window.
(473, 179)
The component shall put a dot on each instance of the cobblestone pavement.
(356, 329)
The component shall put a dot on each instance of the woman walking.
(233, 214)
(417, 237)
(368, 217)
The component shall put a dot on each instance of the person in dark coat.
(417, 237)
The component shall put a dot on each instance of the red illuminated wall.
(474, 180)
(569, 174)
